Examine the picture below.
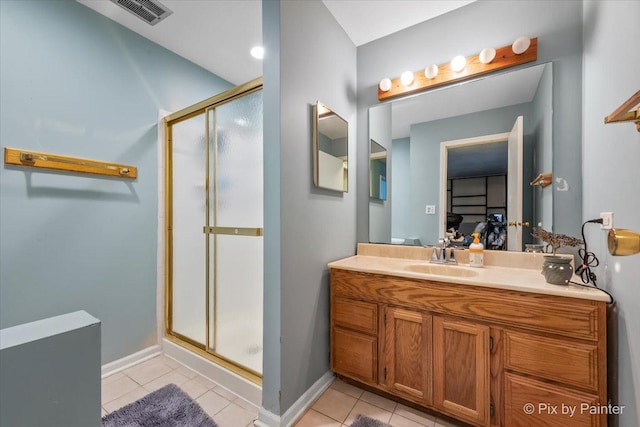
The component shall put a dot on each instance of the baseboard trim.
(244, 388)
(308, 397)
(266, 419)
(128, 361)
(295, 411)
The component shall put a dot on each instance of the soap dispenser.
(476, 252)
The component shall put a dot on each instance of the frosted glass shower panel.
(239, 162)
(236, 213)
(189, 260)
(238, 320)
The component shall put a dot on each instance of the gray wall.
(400, 210)
(425, 158)
(271, 359)
(76, 83)
(315, 226)
(50, 372)
(557, 24)
(611, 173)
(379, 213)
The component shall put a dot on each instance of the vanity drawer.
(529, 402)
(568, 362)
(357, 315)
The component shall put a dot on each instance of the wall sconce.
(629, 111)
(460, 68)
(521, 45)
(543, 180)
(458, 63)
(406, 78)
(385, 85)
(431, 71)
(623, 242)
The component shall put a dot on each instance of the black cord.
(591, 287)
(588, 260)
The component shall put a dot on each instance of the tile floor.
(122, 388)
(336, 407)
(341, 403)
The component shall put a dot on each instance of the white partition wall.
(50, 372)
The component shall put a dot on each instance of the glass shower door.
(235, 231)
(188, 267)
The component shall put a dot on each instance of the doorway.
(514, 180)
(214, 218)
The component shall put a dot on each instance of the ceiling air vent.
(150, 11)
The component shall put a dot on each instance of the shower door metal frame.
(202, 107)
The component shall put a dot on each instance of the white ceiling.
(368, 20)
(218, 34)
(215, 34)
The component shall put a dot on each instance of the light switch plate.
(430, 210)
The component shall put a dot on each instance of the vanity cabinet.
(477, 354)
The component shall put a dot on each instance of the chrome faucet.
(446, 253)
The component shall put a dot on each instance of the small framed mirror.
(330, 149)
(377, 171)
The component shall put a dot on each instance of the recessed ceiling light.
(257, 52)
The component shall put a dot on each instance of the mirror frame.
(320, 111)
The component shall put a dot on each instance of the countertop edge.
(568, 291)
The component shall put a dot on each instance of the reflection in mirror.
(471, 110)
(330, 149)
(377, 171)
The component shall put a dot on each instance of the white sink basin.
(442, 270)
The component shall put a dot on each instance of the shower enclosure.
(214, 216)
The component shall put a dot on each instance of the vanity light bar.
(505, 57)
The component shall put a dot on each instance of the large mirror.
(452, 167)
(330, 149)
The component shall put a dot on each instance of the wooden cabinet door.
(354, 355)
(461, 369)
(407, 354)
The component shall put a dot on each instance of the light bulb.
(458, 63)
(385, 85)
(487, 55)
(431, 71)
(521, 45)
(257, 52)
(406, 78)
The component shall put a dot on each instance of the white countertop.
(515, 279)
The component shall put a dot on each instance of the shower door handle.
(233, 231)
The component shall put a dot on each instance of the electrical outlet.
(607, 220)
(430, 210)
